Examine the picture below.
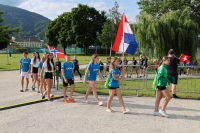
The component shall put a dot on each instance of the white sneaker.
(156, 113)
(163, 113)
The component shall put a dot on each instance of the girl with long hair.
(48, 68)
(91, 74)
(113, 86)
(34, 69)
(41, 77)
(162, 83)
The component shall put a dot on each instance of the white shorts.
(25, 74)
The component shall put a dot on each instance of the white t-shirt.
(36, 63)
(45, 67)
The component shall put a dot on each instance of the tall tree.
(110, 26)
(5, 31)
(174, 29)
(86, 22)
(158, 7)
(59, 31)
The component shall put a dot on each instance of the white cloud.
(52, 9)
(47, 8)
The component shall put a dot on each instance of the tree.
(108, 33)
(157, 8)
(174, 29)
(5, 31)
(86, 22)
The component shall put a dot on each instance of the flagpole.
(123, 51)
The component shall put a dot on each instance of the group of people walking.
(42, 72)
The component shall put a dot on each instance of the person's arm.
(116, 78)
(20, 67)
(85, 76)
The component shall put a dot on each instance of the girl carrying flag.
(91, 74)
(113, 85)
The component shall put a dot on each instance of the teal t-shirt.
(93, 69)
(68, 67)
(113, 82)
(25, 62)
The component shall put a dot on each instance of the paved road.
(56, 116)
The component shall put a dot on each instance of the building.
(28, 42)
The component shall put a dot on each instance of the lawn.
(12, 63)
(185, 88)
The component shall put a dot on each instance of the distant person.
(58, 67)
(42, 77)
(125, 61)
(156, 64)
(101, 66)
(189, 67)
(196, 68)
(162, 84)
(114, 86)
(68, 79)
(134, 63)
(91, 74)
(25, 69)
(48, 68)
(181, 68)
(141, 63)
(107, 66)
(120, 65)
(76, 66)
(173, 70)
(145, 65)
(34, 69)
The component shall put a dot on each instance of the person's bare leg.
(173, 88)
(88, 92)
(95, 91)
(64, 93)
(48, 81)
(111, 95)
(22, 82)
(34, 79)
(72, 91)
(121, 101)
(158, 98)
(27, 82)
(167, 99)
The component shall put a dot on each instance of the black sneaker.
(43, 97)
(21, 90)
(175, 96)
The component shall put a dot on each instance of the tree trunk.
(64, 49)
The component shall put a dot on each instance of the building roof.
(27, 40)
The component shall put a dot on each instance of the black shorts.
(175, 75)
(141, 67)
(112, 88)
(107, 69)
(35, 70)
(161, 88)
(48, 75)
(70, 81)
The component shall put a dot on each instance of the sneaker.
(72, 100)
(38, 91)
(22, 90)
(33, 88)
(175, 96)
(66, 101)
(126, 111)
(156, 113)
(86, 101)
(100, 103)
(163, 113)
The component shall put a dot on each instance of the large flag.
(57, 53)
(184, 58)
(125, 37)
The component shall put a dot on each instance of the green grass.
(184, 85)
(13, 62)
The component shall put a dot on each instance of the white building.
(28, 42)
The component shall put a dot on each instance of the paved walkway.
(56, 116)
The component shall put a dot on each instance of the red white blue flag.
(125, 37)
(57, 53)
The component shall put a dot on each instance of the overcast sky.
(52, 8)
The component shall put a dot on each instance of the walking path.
(79, 117)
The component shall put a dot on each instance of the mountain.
(32, 24)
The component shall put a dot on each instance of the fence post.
(54, 80)
(57, 76)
